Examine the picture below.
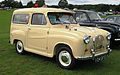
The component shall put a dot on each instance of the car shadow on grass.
(80, 65)
(40, 57)
(116, 47)
(89, 65)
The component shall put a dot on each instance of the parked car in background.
(92, 19)
(116, 12)
(102, 13)
(113, 18)
(54, 32)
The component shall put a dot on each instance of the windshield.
(118, 20)
(94, 16)
(61, 18)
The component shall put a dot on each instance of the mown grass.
(12, 63)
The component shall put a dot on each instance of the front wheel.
(65, 58)
(19, 47)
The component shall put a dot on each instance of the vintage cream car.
(53, 32)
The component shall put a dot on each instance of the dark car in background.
(113, 18)
(92, 19)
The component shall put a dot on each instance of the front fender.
(76, 44)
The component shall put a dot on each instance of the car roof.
(40, 10)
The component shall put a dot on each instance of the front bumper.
(94, 56)
(117, 39)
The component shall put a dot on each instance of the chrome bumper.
(93, 56)
(117, 39)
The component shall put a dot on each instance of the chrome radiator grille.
(98, 42)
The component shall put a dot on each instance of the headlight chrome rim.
(86, 39)
(119, 29)
(108, 36)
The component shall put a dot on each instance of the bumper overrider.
(97, 57)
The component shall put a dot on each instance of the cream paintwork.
(43, 39)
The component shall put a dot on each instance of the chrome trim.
(109, 36)
(86, 39)
(91, 57)
(117, 39)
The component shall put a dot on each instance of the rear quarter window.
(21, 18)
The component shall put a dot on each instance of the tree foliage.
(30, 4)
(63, 3)
(11, 3)
(99, 7)
(40, 3)
(19, 5)
(8, 3)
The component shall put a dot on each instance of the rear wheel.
(19, 47)
(65, 58)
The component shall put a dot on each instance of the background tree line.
(16, 4)
(98, 7)
(11, 3)
(61, 4)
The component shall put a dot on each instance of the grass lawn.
(12, 63)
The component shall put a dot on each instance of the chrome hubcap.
(65, 58)
(19, 47)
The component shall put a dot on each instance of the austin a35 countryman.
(54, 32)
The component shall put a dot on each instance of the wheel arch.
(60, 45)
(15, 41)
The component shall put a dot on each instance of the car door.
(37, 33)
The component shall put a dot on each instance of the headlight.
(109, 36)
(86, 39)
(119, 29)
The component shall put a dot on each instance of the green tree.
(19, 5)
(30, 4)
(0, 4)
(14, 4)
(40, 3)
(8, 3)
(117, 8)
(63, 3)
(103, 8)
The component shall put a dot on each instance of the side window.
(112, 19)
(38, 19)
(21, 18)
(81, 17)
(118, 20)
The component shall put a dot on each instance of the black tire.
(20, 47)
(64, 58)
